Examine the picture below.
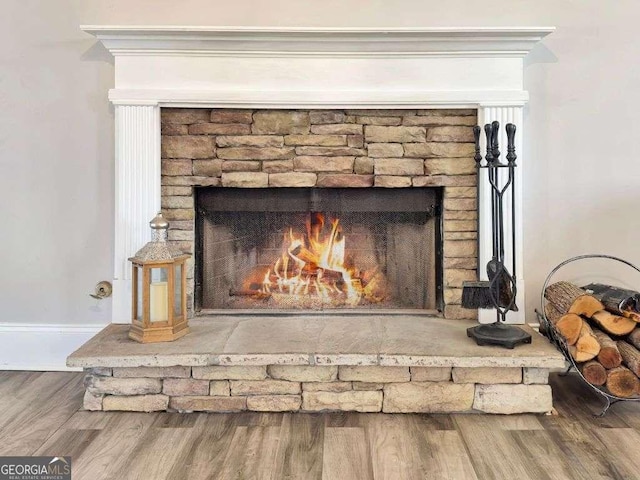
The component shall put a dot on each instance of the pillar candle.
(158, 308)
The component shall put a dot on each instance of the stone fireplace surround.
(382, 148)
(376, 363)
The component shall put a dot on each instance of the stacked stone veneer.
(278, 388)
(327, 149)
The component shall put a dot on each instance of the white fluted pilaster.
(504, 115)
(137, 193)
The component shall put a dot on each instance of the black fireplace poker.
(499, 291)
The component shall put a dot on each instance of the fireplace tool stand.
(499, 292)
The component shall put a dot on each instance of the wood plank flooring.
(39, 415)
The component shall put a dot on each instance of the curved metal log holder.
(547, 327)
(499, 292)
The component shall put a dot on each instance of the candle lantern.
(159, 303)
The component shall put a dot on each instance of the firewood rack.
(549, 330)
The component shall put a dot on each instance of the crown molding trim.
(123, 40)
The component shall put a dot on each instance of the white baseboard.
(41, 347)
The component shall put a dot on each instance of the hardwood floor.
(39, 416)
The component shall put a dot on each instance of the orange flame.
(315, 265)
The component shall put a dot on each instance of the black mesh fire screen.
(316, 249)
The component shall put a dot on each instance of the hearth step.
(385, 364)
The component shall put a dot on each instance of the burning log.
(257, 294)
(330, 276)
(306, 256)
(315, 270)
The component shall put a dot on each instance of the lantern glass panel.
(139, 289)
(177, 299)
(158, 295)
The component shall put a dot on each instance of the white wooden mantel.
(239, 67)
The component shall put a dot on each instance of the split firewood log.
(587, 346)
(613, 324)
(634, 338)
(622, 382)
(630, 315)
(609, 355)
(568, 326)
(552, 313)
(583, 344)
(617, 300)
(594, 372)
(569, 298)
(630, 356)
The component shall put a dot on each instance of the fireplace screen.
(316, 249)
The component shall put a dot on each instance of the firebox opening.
(318, 249)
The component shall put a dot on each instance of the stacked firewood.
(602, 338)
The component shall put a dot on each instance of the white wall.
(56, 140)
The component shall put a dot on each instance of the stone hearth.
(393, 364)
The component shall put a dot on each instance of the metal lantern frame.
(161, 256)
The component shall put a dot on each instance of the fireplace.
(345, 153)
(287, 68)
(318, 249)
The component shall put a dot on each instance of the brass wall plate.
(103, 290)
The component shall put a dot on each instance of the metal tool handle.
(511, 160)
(476, 137)
(511, 149)
(488, 133)
(495, 146)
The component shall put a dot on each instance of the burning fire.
(314, 264)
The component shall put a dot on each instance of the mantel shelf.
(362, 42)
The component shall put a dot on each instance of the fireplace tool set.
(499, 291)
